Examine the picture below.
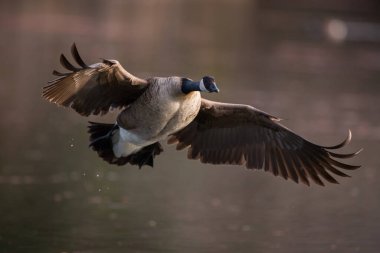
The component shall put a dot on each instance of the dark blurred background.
(314, 63)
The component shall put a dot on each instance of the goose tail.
(101, 142)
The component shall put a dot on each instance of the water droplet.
(355, 192)
(113, 216)
(152, 223)
(278, 233)
(67, 194)
(98, 175)
(57, 197)
(215, 202)
(246, 228)
(337, 30)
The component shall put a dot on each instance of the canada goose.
(158, 108)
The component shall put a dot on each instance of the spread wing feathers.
(240, 134)
(93, 89)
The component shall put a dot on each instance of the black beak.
(214, 88)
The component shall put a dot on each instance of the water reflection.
(57, 196)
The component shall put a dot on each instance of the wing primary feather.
(325, 174)
(327, 165)
(234, 157)
(297, 142)
(342, 165)
(52, 82)
(310, 170)
(344, 156)
(299, 169)
(273, 162)
(290, 167)
(334, 170)
(239, 158)
(65, 63)
(225, 156)
(281, 164)
(260, 155)
(315, 163)
(266, 158)
(78, 59)
(49, 86)
(250, 156)
(342, 144)
(57, 73)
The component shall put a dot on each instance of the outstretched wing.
(93, 89)
(240, 134)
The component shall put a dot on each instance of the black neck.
(189, 86)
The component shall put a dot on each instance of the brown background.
(314, 63)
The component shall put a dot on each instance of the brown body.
(159, 112)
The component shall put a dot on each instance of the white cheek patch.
(202, 86)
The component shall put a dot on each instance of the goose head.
(206, 84)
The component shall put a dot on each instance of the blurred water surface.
(317, 65)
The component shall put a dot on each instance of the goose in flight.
(159, 108)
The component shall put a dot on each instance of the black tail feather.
(146, 155)
(97, 130)
(101, 142)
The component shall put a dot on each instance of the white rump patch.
(126, 135)
(126, 143)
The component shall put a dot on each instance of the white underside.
(126, 142)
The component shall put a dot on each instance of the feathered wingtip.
(49, 90)
(327, 163)
(332, 155)
(67, 65)
(345, 142)
(78, 59)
